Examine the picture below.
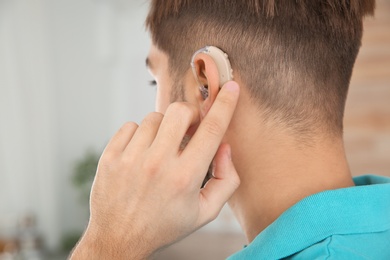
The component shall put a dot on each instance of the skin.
(146, 192)
(284, 173)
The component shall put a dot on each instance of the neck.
(276, 173)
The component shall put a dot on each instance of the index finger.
(207, 138)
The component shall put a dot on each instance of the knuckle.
(172, 133)
(151, 169)
(105, 163)
(153, 165)
(182, 183)
(177, 106)
(180, 108)
(125, 129)
(214, 215)
(225, 99)
(235, 181)
(152, 119)
(129, 126)
(106, 158)
(127, 160)
(213, 128)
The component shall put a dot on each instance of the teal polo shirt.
(349, 223)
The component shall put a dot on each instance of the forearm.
(94, 246)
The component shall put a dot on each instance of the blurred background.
(73, 71)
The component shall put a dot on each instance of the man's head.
(295, 58)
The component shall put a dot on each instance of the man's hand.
(146, 193)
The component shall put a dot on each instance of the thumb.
(219, 189)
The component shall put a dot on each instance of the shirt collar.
(359, 209)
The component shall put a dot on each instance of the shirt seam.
(330, 238)
(327, 247)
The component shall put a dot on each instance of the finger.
(219, 189)
(207, 138)
(177, 120)
(145, 133)
(119, 141)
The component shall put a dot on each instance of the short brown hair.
(295, 57)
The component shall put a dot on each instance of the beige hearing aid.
(223, 65)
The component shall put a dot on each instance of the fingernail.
(231, 86)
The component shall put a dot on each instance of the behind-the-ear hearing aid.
(223, 65)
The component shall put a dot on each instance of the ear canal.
(204, 91)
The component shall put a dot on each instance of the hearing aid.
(222, 62)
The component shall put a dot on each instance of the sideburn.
(178, 92)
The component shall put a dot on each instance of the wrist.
(95, 245)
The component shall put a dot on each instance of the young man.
(278, 150)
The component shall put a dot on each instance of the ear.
(208, 75)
